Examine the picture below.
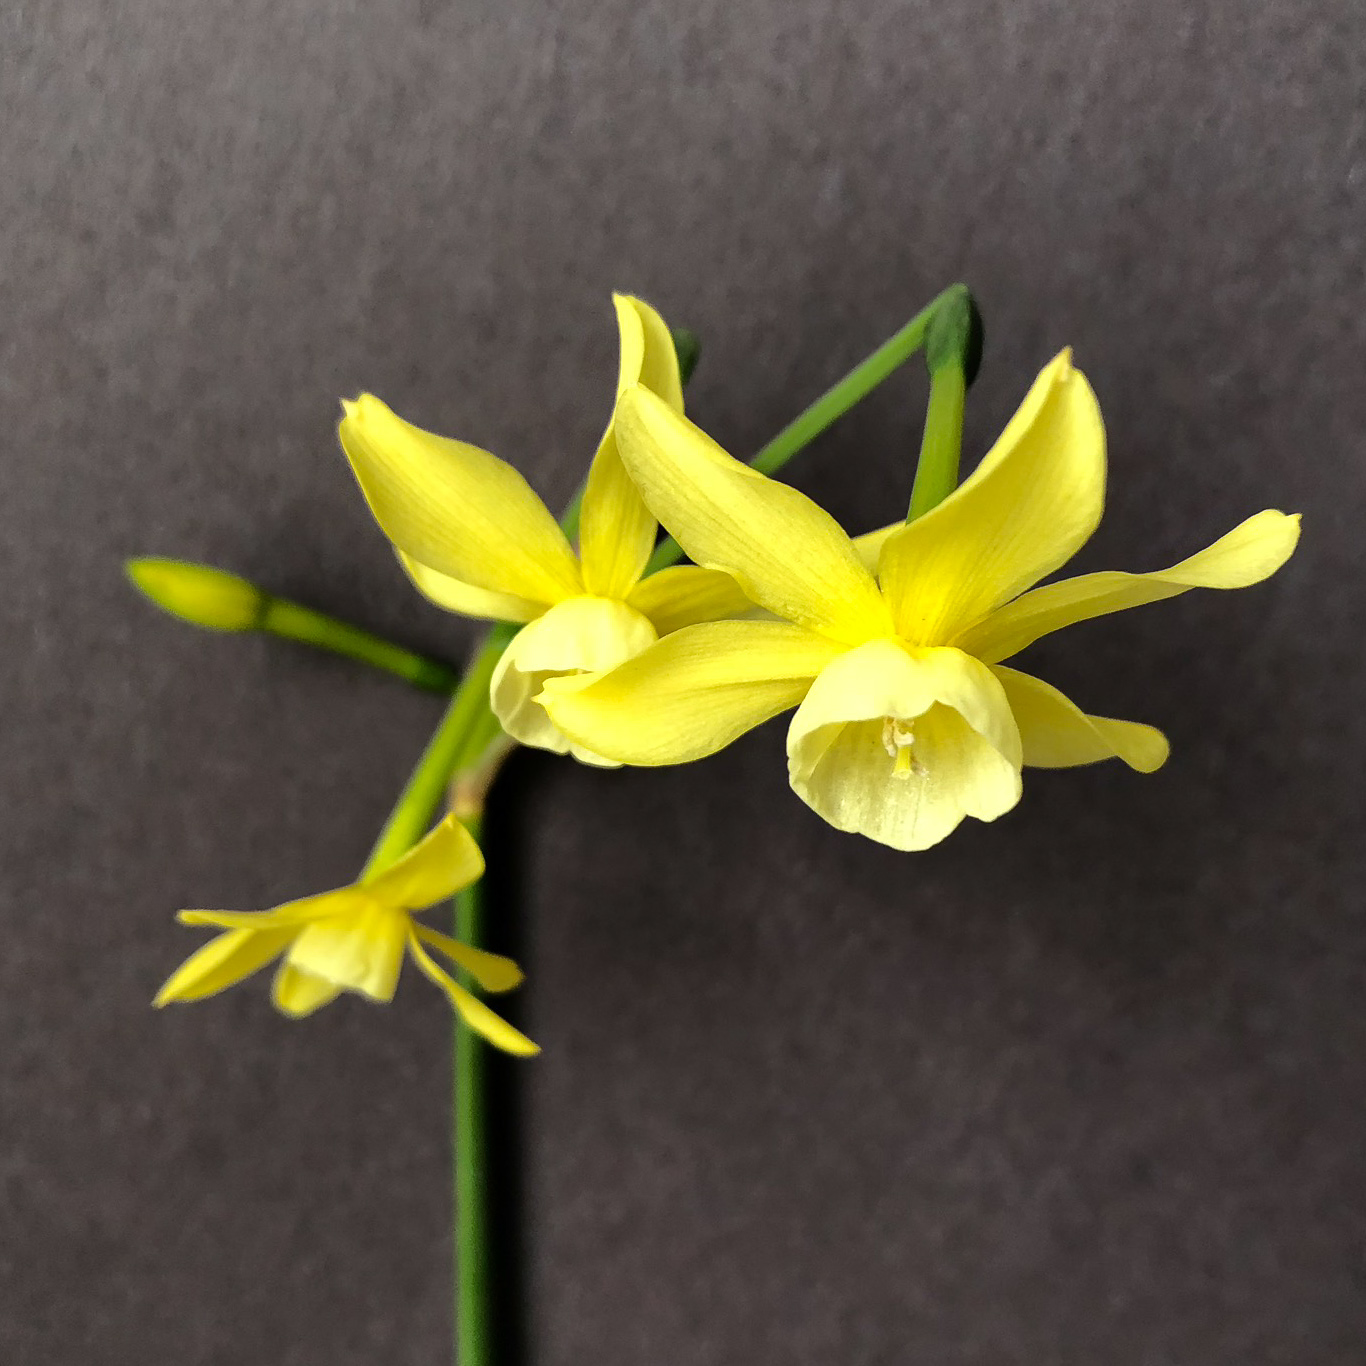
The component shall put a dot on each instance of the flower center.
(898, 739)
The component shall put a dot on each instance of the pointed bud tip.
(198, 593)
(955, 334)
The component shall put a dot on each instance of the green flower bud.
(955, 334)
(199, 594)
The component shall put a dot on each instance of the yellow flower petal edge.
(692, 693)
(454, 595)
(868, 547)
(355, 939)
(685, 594)
(1056, 733)
(492, 971)
(439, 865)
(456, 508)
(224, 961)
(616, 529)
(1251, 552)
(297, 994)
(472, 1010)
(730, 517)
(1029, 506)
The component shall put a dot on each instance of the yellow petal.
(456, 508)
(616, 529)
(340, 901)
(472, 1010)
(360, 952)
(1251, 552)
(223, 962)
(457, 596)
(1027, 508)
(869, 546)
(787, 554)
(684, 594)
(434, 869)
(580, 635)
(296, 993)
(693, 693)
(900, 744)
(492, 971)
(655, 365)
(1056, 733)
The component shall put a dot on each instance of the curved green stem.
(294, 621)
(953, 351)
(832, 405)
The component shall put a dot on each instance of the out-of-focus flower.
(908, 720)
(199, 593)
(355, 939)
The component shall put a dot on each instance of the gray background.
(1083, 1086)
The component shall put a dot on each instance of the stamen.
(898, 738)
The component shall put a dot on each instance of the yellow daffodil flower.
(477, 540)
(355, 939)
(906, 718)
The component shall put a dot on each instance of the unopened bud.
(199, 594)
(955, 334)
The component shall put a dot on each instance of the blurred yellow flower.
(355, 939)
(908, 721)
(477, 540)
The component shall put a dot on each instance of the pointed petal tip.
(1160, 753)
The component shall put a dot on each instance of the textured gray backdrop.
(1081, 1087)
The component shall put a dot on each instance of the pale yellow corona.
(892, 650)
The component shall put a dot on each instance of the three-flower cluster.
(891, 647)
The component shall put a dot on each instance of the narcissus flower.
(355, 939)
(908, 720)
(477, 540)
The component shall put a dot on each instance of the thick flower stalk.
(477, 540)
(355, 939)
(907, 719)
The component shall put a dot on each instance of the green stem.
(425, 792)
(470, 1152)
(293, 621)
(826, 410)
(953, 351)
(936, 474)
